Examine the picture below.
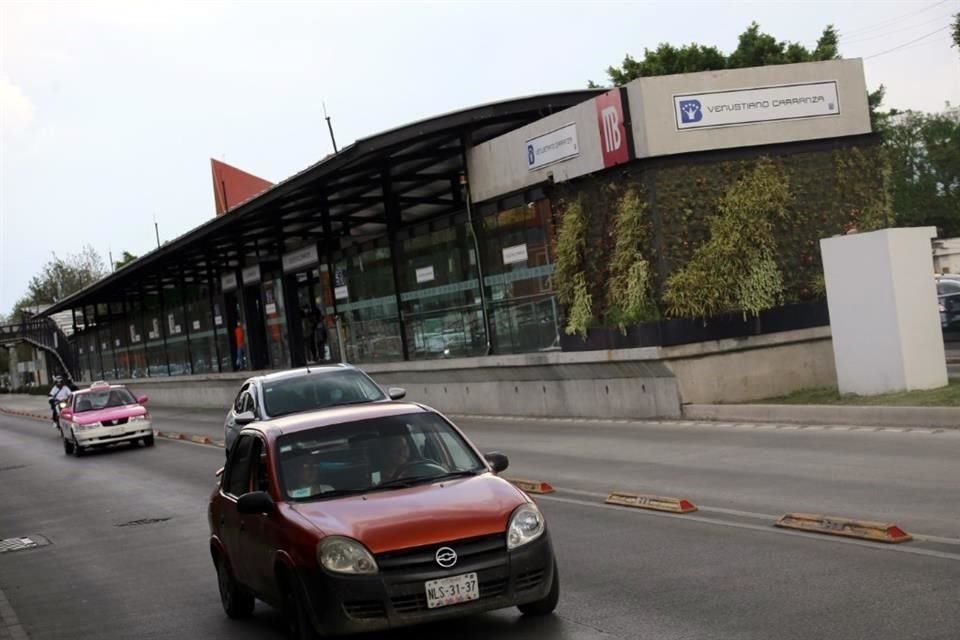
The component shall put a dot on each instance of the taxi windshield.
(102, 399)
(373, 455)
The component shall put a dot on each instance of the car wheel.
(67, 447)
(295, 612)
(78, 450)
(237, 602)
(148, 441)
(545, 606)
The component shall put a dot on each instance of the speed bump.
(531, 486)
(656, 503)
(863, 529)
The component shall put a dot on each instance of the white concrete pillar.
(883, 311)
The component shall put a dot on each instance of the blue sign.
(339, 279)
(690, 111)
(531, 156)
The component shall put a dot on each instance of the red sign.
(613, 133)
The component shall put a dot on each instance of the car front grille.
(113, 423)
(365, 609)
(529, 580)
(470, 550)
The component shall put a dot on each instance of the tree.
(956, 30)
(754, 49)
(61, 277)
(924, 152)
(124, 260)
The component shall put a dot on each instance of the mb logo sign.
(613, 134)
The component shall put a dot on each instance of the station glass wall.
(186, 329)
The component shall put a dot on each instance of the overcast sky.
(110, 111)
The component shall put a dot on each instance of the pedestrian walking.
(320, 339)
(240, 340)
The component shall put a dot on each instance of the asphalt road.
(625, 573)
(911, 477)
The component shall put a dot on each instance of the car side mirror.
(245, 418)
(66, 413)
(142, 400)
(397, 393)
(497, 461)
(256, 502)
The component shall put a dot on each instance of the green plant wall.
(831, 192)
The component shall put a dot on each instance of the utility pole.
(113, 265)
(329, 128)
(156, 230)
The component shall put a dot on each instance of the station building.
(436, 240)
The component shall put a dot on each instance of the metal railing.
(43, 333)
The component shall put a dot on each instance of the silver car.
(270, 396)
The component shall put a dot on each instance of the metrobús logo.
(691, 111)
(753, 106)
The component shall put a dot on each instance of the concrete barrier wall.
(629, 383)
(754, 369)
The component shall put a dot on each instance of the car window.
(259, 471)
(102, 399)
(238, 401)
(361, 456)
(246, 403)
(238, 473)
(945, 287)
(318, 390)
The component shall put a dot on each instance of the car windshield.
(102, 399)
(373, 455)
(318, 390)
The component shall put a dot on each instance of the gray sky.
(110, 111)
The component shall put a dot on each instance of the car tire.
(148, 441)
(295, 613)
(546, 605)
(67, 447)
(78, 450)
(237, 602)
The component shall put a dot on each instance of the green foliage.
(736, 269)
(956, 30)
(571, 245)
(61, 277)
(124, 260)
(866, 204)
(629, 299)
(754, 49)
(580, 313)
(924, 156)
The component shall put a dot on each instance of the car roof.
(302, 371)
(100, 387)
(336, 415)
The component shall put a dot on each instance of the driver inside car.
(396, 455)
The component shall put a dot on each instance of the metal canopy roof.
(338, 200)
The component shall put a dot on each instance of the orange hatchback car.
(371, 517)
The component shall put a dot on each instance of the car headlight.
(526, 525)
(139, 418)
(345, 555)
(92, 425)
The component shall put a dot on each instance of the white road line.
(755, 527)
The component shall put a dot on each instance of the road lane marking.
(755, 527)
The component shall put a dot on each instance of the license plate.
(117, 431)
(453, 590)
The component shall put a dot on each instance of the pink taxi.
(102, 415)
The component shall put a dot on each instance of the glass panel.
(369, 310)
(518, 269)
(156, 353)
(440, 295)
(105, 345)
(178, 353)
(199, 319)
(273, 309)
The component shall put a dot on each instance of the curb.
(187, 437)
(936, 417)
